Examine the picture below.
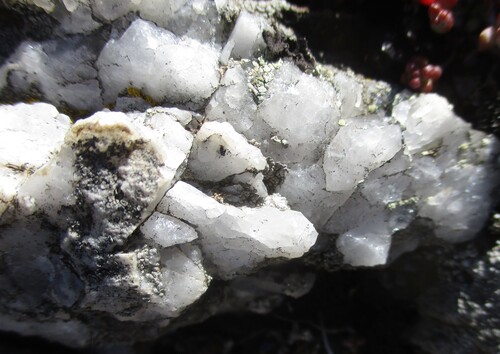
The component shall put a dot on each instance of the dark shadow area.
(346, 312)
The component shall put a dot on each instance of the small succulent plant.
(490, 36)
(440, 14)
(421, 75)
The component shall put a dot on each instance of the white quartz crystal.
(167, 231)
(305, 189)
(358, 148)
(366, 221)
(219, 152)
(234, 239)
(233, 102)
(161, 65)
(453, 182)
(184, 278)
(29, 136)
(434, 184)
(246, 39)
(426, 120)
(345, 166)
(198, 19)
(295, 117)
(297, 108)
(348, 94)
(362, 247)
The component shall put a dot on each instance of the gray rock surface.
(460, 313)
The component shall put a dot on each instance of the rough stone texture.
(457, 297)
(86, 203)
(99, 248)
(113, 229)
(470, 318)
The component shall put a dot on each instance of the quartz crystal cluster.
(200, 156)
